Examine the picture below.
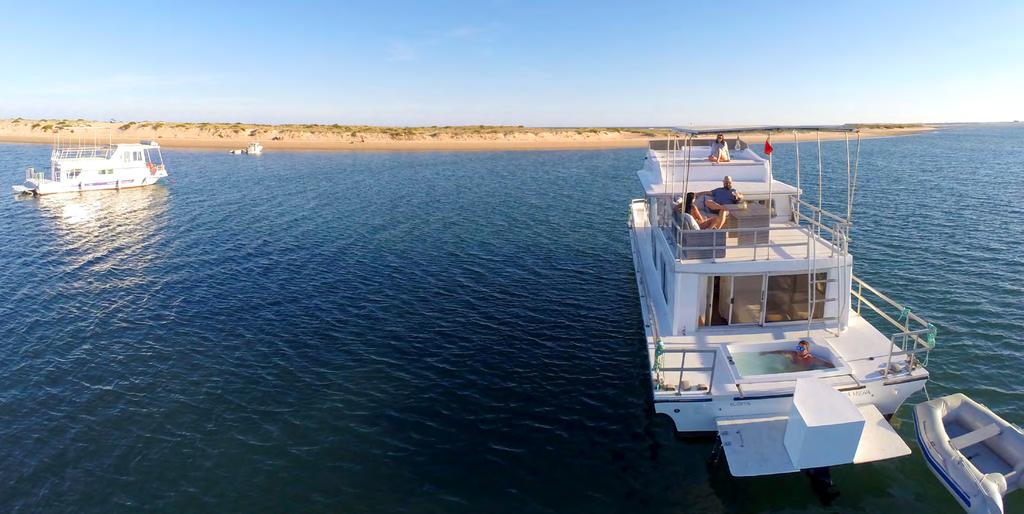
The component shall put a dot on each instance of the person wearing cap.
(719, 150)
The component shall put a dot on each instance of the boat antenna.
(796, 143)
(817, 134)
(849, 179)
(688, 153)
(853, 188)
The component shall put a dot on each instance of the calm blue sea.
(438, 331)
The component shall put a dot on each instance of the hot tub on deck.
(773, 361)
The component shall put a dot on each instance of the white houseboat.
(725, 312)
(87, 167)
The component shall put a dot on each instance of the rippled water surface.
(436, 332)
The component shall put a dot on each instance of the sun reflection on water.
(102, 230)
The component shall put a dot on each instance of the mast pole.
(853, 193)
(796, 143)
(771, 177)
(849, 180)
(821, 184)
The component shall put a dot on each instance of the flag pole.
(771, 173)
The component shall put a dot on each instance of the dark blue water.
(435, 332)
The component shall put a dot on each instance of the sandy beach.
(342, 137)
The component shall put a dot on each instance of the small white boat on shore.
(254, 148)
(977, 455)
(88, 167)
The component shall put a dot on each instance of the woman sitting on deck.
(719, 150)
(690, 217)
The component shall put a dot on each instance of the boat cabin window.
(153, 156)
(761, 298)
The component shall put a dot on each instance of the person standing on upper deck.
(719, 150)
(719, 196)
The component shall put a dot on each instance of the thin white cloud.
(401, 51)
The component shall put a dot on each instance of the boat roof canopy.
(767, 128)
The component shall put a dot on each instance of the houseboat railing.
(915, 337)
(83, 152)
(653, 314)
(714, 242)
(818, 226)
(682, 369)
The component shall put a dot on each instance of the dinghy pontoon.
(976, 454)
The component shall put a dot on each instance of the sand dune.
(345, 137)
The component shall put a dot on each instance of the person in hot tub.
(803, 352)
(803, 356)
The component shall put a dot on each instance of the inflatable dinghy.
(976, 454)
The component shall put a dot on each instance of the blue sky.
(540, 63)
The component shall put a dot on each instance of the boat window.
(787, 297)
(741, 299)
(746, 299)
(153, 156)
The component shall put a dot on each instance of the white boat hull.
(49, 187)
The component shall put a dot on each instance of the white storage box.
(824, 426)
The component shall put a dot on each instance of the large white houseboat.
(87, 167)
(725, 312)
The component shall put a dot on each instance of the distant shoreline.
(366, 138)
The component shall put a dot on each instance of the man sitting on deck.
(719, 150)
(720, 196)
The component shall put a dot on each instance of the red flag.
(768, 147)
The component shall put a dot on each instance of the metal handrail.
(922, 335)
(836, 217)
(683, 369)
(77, 151)
(759, 233)
(656, 365)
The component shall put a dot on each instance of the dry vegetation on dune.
(335, 131)
(312, 136)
